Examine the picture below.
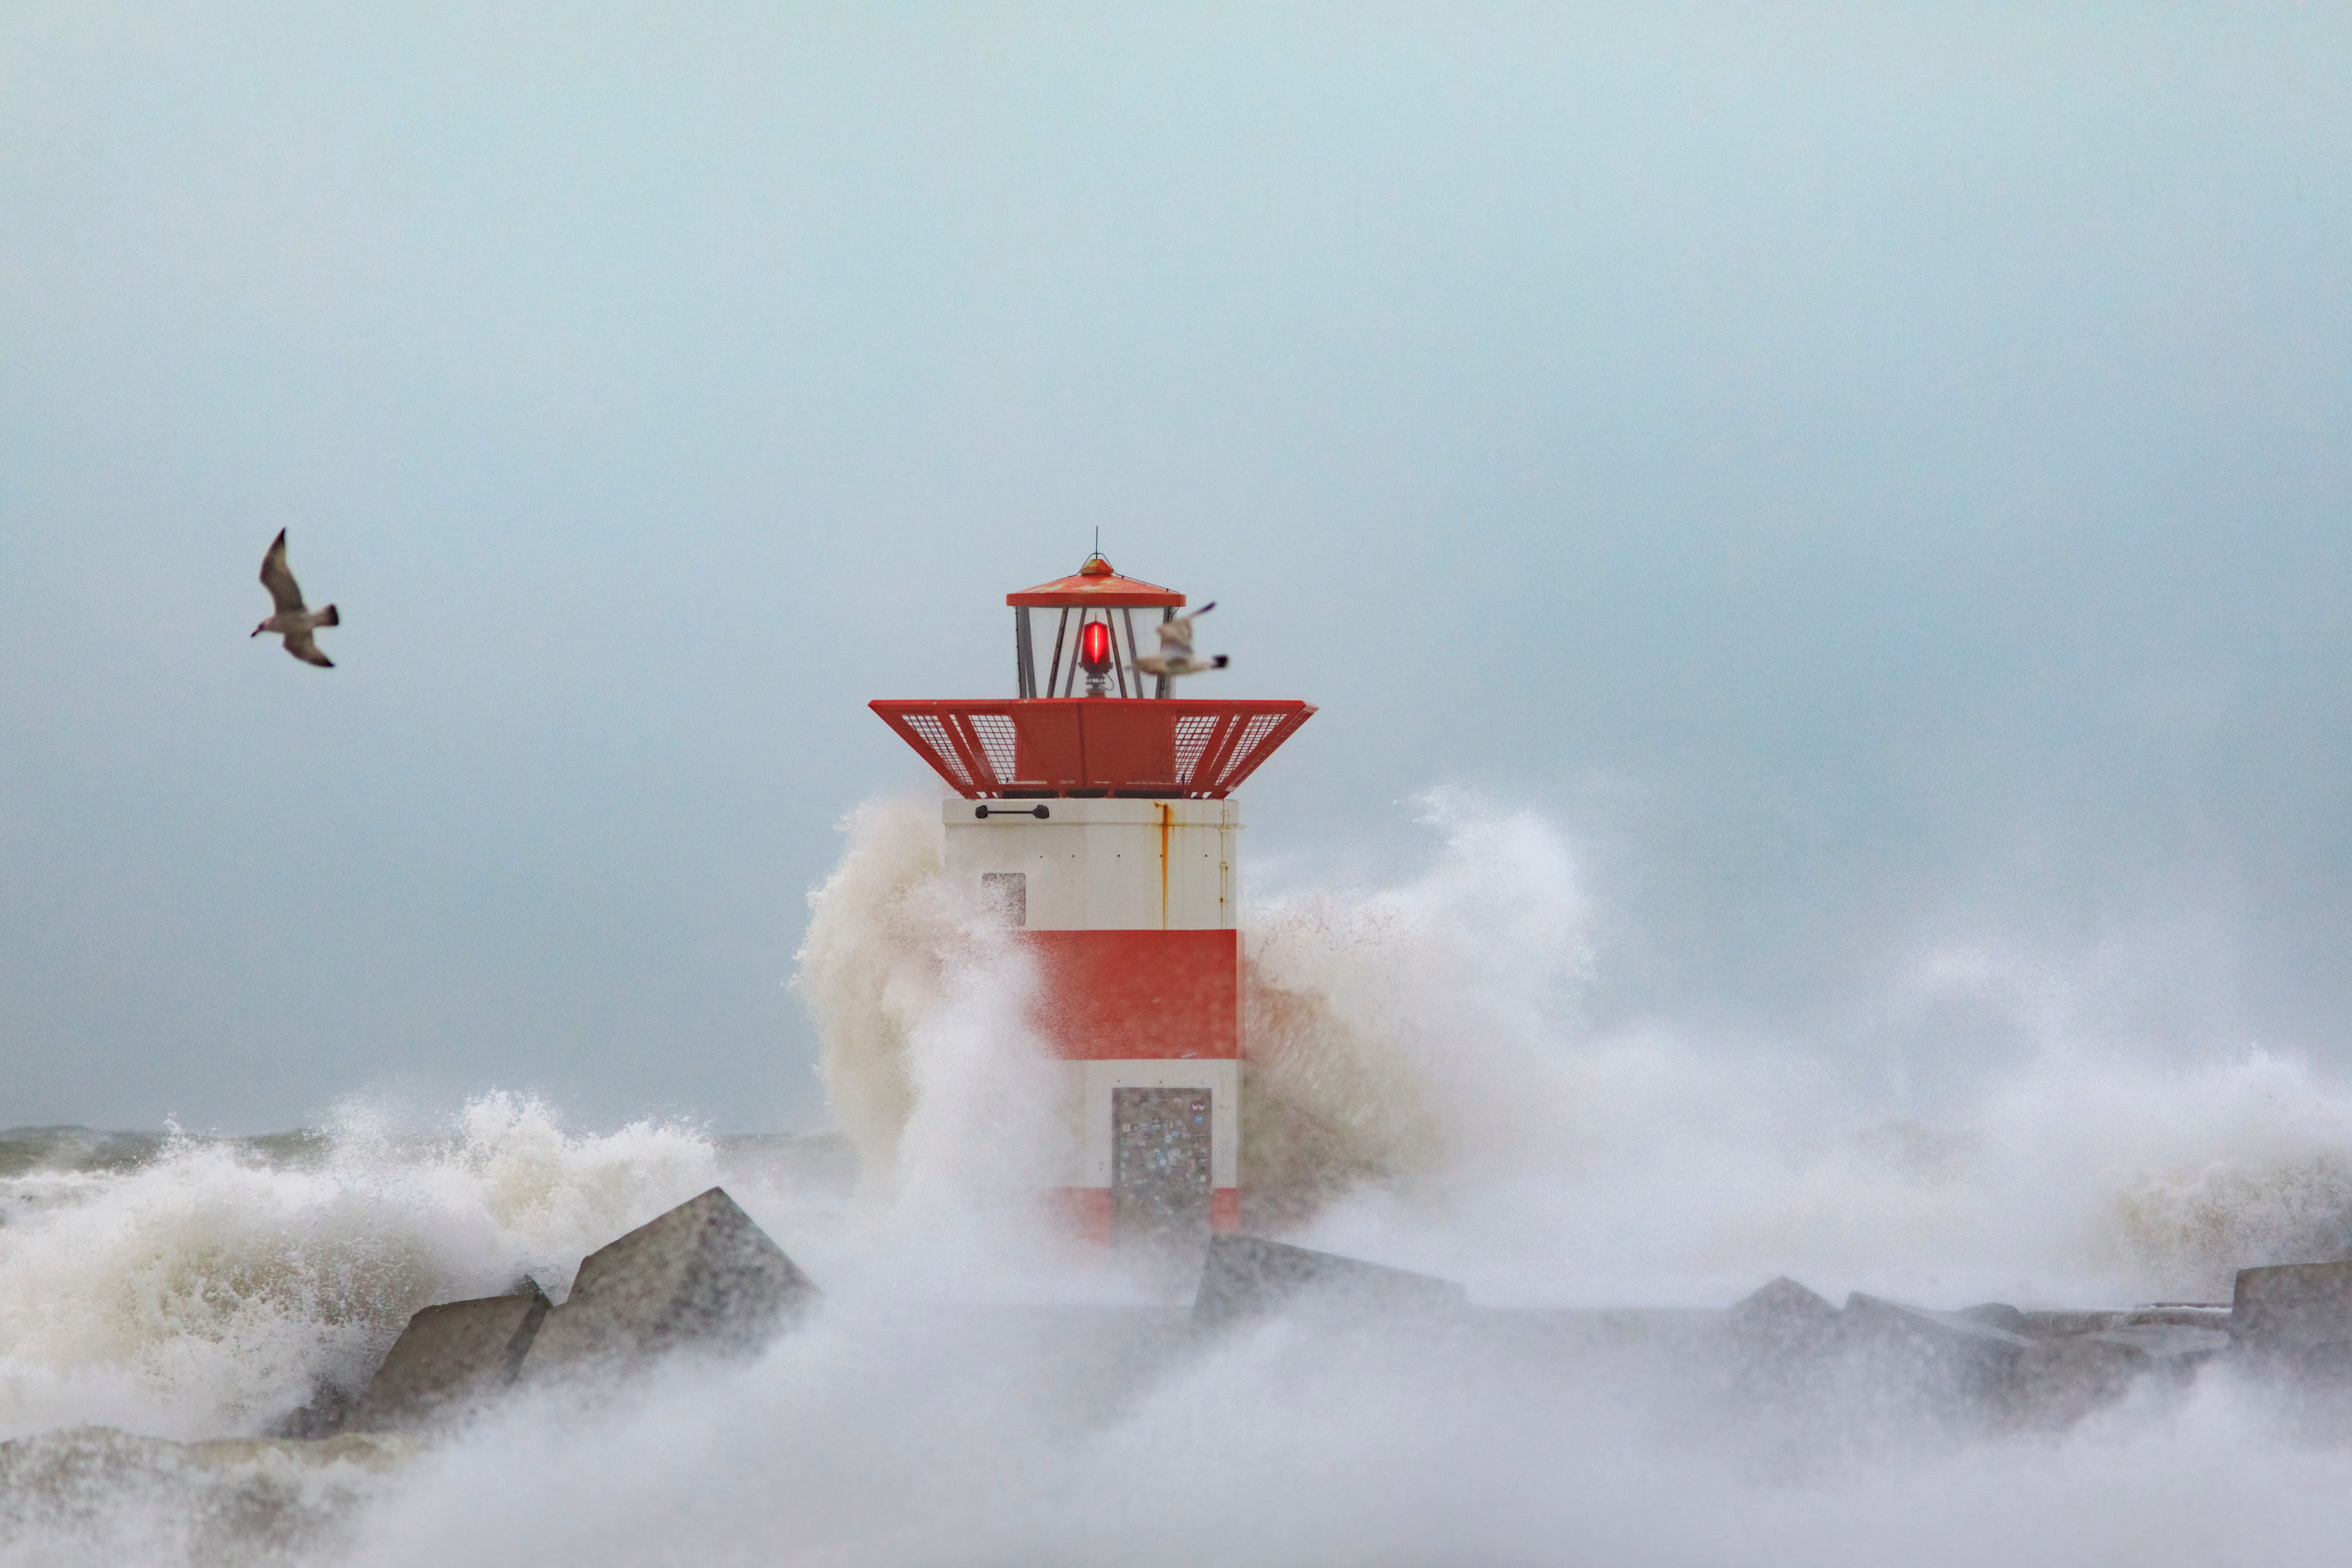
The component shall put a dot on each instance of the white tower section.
(1132, 910)
(1101, 865)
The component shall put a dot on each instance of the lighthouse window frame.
(1061, 674)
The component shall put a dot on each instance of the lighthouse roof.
(1095, 585)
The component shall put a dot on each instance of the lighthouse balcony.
(1094, 746)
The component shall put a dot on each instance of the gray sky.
(1877, 475)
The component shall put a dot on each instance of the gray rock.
(2063, 1378)
(1246, 1276)
(1782, 1314)
(450, 1360)
(2166, 1341)
(1875, 1319)
(1996, 1315)
(1780, 1336)
(702, 1277)
(1913, 1362)
(2060, 1324)
(2298, 1310)
(321, 1415)
(2055, 1383)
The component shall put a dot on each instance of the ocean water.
(976, 1390)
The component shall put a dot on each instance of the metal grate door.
(1159, 1166)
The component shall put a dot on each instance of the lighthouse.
(1097, 819)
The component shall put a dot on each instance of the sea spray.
(1418, 1087)
(922, 1003)
(1396, 1034)
(1393, 1033)
(872, 966)
(205, 1291)
(934, 1435)
(1423, 1038)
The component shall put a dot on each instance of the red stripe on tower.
(1106, 995)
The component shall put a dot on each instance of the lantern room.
(1090, 727)
(1119, 872)
(1092, 614)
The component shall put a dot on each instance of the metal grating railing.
(1193, 733)
(1259, 727)
(1095, 745)
(998, 740)
(934, 744)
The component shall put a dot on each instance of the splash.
(929, 1062)
(207, 1290)
(1421, 1088)
(873, 967)
(1387, 1028)
(1396, 1034)
(1424, 1091)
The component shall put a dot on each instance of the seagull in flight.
(295, 622)
(1175, 655)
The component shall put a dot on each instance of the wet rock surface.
(1246, 1277)
(1945, 1365)
(2297, 1311)
(701, 1278)
(1784, 1359)
(1877, 1366)
(1782, 1320)
(450, 1360)
(1781, 1367)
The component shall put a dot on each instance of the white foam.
(1419, 1091)
(927, 1438)
(200, 1294)
(1426, 1094)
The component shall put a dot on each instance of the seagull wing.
(303, 646)
(1176, 637)
(275, 577)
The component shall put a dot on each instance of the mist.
(974, 1388)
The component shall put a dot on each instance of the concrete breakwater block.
(1246, 1276)
(1894, 1365)
(702, 1277)
(1996, 1315)
(2166, 1341)
(1985, 1364)
(1939, 1362)
(1780, 1320)
(1873, 1323)
(1781, 1336)
(450, 1360)
(2055, 1383)
(1873, 1357)
(2302, 1310)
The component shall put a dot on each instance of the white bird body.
(293, 620)
(1175, 656)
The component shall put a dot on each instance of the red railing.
(1094, 745)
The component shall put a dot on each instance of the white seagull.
(291, 618)
(1175, 655)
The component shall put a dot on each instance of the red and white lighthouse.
(1099, 821)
